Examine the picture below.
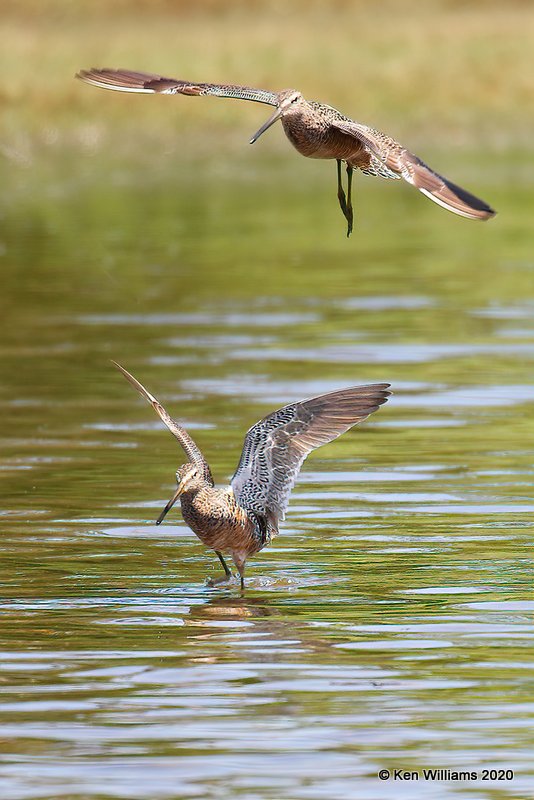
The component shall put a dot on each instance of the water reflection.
(249, 677)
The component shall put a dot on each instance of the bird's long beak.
(272, 119)
(170, 504)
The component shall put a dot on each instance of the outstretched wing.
(123, 80)
(276, 446)
(397, 161)
(191, 450)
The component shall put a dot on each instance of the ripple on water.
(389, 624)
(230, 318)
(395, 644)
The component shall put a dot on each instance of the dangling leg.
(346, 206)
(227, 573)
(340, 191)
(349, 215)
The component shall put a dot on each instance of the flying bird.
(316, 130)
(242, 518)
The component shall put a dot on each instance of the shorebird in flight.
(316, 130)
(242, 518)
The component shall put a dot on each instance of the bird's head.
(188, 478)
(289, 101)
(289, 98)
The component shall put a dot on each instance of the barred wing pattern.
(399, 162)
(276, 446)
(123, 80)
(191, 450)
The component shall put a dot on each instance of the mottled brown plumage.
(241, 519)
(316, 131)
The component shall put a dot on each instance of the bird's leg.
(345, 201)
(239, 561)
(349, 215)
(227, 570)
(227, 573)
(340, 191)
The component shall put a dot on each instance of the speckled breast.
(218, 521)
(317, 139)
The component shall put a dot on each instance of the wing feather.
(397, 161)
(188, 445)
(124, 80)
(275, 447)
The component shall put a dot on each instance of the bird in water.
(316, 130)
(242, 518)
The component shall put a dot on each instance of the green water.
(390, 624)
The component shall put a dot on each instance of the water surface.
(390, 624)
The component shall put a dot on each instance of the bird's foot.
(347, 210)
(219, 581)
(349, 216)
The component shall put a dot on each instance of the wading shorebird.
(241, 519)
(317, 131)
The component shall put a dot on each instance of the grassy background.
(446, 74)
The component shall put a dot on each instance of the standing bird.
(243, 518)
(317, 131)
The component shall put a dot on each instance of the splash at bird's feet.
(222, 581)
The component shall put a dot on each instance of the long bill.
(169, 505)
(272, 119)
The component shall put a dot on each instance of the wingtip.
(136, 384)
(120, 368)
(443, 191)
(85, 74)
(490, 213)
(89, 76)
(479, 207)
(467, 204)
(384, 395)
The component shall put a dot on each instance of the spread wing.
(390, 159)
(276, 446)
(191, 450)
(123, 80)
